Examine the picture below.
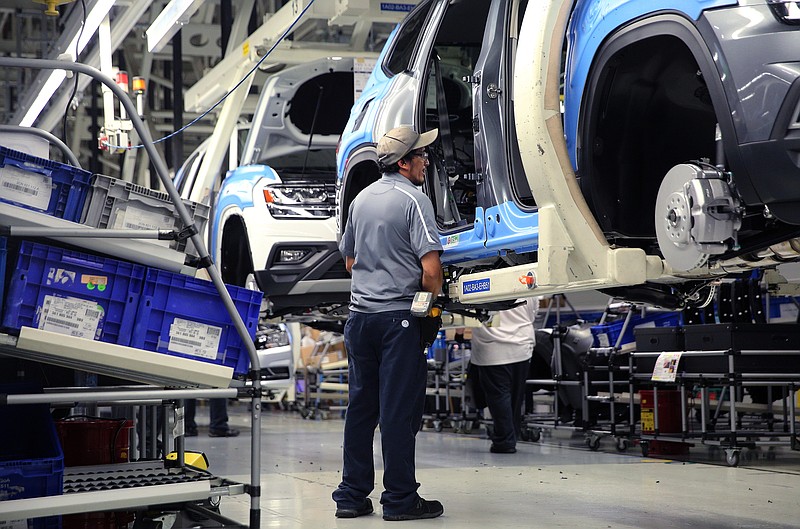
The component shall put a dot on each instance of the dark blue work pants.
(503, 389)
(387, 377)
(218, 413)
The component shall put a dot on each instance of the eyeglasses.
(420, 154)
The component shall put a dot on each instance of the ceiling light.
(94, 17)
(48, 89)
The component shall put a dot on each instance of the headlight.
(787, 11)
(293, 255)
(300, 200)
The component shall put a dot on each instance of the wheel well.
(649, 109)
(360, 176)
(236, 261)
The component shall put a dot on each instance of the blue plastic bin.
(606, 335)
(43, 185)
(182, 316)
(73, 293)
(31, 460)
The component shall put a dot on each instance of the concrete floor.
(556, 482)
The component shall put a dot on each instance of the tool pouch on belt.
(429, 327)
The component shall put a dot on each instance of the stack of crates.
(116, 204)
(100, 201)
(99, 298)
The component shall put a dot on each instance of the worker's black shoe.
(366, 508)
(422, 509)
(498, 449)
(190, 432)
(230, 432)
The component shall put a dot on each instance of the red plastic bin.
(669, 420)
(94, 440)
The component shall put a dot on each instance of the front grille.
(336, 271)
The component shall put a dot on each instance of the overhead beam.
(121, 26)
(220, 79)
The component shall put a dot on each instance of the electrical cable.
(232, 90)
(75, 84)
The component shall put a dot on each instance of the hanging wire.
(232, 90)
(75, 84)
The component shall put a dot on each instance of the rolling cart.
(325, 382)
(565, 385)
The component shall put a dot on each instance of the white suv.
(274, 217)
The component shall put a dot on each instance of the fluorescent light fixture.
(93, 20)
(48, 89)
(94, 17)
(176, 14)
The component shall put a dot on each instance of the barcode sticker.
(193, 338)
(70, 316)
(12, 524)
(132, 218)
(24, 187)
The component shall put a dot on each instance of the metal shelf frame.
(133, 364)
(254, 490)
(725, 373)
(138, 250)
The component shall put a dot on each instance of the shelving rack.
(117, 360)
(731, 369)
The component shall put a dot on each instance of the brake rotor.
(673, 219)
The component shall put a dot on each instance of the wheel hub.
(696, 216)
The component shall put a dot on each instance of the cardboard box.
(451, 333)
(310, 355)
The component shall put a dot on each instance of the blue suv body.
(681, 133)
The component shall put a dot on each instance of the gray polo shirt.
(391, 226)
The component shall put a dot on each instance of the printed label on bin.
(138, 219)
(71, 316)
(12, 524)
(193, 338)
(60, 276)
(788, 312)
(131, 218)
(648, 420)
(23, 187)
(603, 341)
(94, 282)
